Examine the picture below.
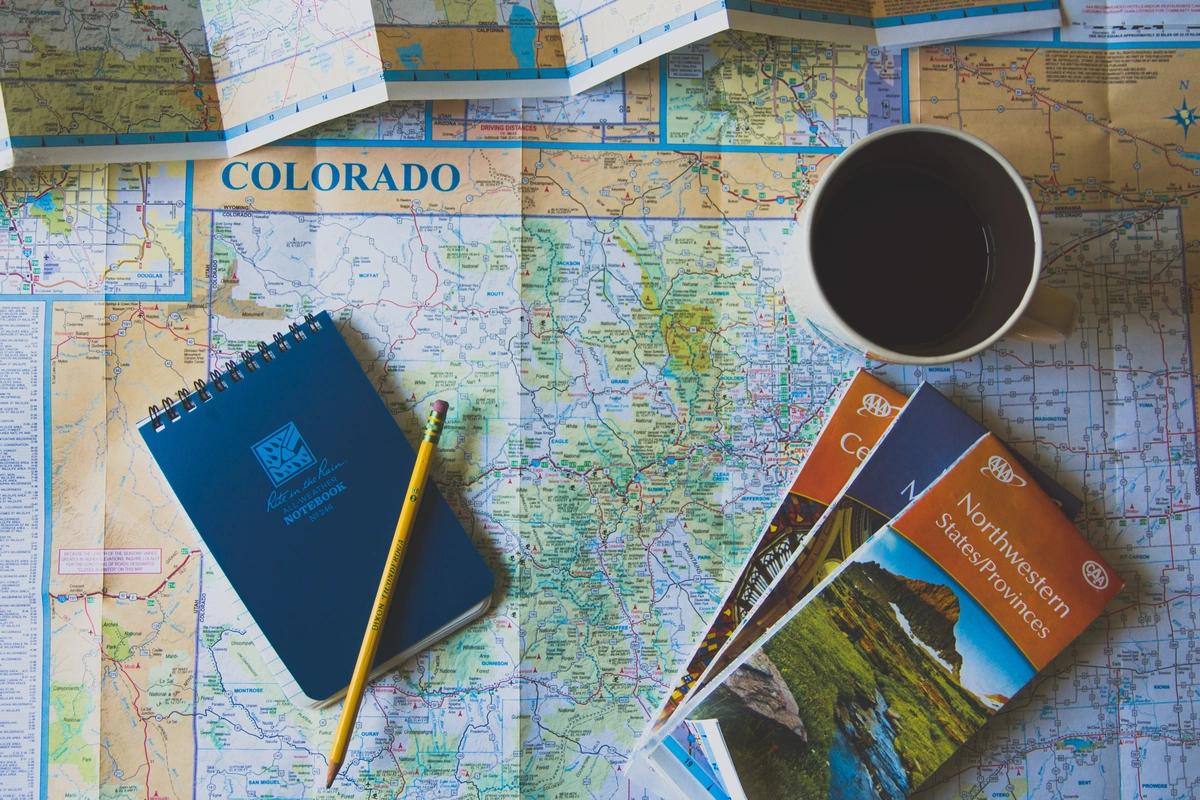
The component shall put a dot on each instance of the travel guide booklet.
(906, 649)
(859, 418)
(928, 435)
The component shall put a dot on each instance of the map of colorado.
(597, 297)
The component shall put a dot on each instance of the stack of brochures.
(917, 575)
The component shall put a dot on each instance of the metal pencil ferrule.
(433, 427)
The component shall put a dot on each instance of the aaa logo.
(999, 468)
(284, 454)
(876, 405)
(1096, 575)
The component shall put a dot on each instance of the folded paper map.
(97, 81)
(100, 81)
(636, 400)
(895, 660)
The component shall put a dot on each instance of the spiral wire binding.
(166, 411)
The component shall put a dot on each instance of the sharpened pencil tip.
(331, 773)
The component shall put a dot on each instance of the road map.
(98, 81)
(597, 297)
(94, 81)
(560, 47)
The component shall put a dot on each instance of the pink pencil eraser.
(440, 407)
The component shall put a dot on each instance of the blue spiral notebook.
(293, 471)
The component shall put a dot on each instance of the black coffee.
(901, 256)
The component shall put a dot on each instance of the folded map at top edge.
(94, 82)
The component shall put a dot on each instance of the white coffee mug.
(1011, 302)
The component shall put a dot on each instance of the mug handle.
(1049, 318)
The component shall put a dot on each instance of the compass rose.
(1184, 117)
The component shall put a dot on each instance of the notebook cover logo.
(284, 454)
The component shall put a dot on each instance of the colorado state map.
(598, 299)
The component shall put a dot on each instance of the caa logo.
(999, 468)
(1096, 575)
(284, 454)
(876, 405)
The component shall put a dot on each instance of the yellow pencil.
(383, 597)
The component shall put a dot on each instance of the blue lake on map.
(412, 56)
(43, 202)
(522, 35)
